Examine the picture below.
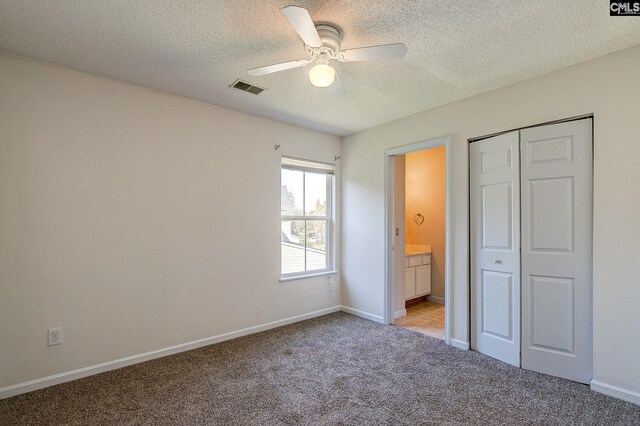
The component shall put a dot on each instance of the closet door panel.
(495, 247)
(556, 180)
(551, 213)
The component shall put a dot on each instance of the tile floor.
(425, 317)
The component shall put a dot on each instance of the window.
(305, 208)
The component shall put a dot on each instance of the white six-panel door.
(556, 172)
(533, 185)
(495, 247)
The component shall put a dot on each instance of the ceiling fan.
(322, 42)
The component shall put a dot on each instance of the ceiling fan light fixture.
(322, 75)
(322, 44)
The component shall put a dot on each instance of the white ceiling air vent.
(246, 87)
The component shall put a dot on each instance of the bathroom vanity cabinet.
(417, 275)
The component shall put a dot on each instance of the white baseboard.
(436, 299)
(363, 314)
(460, 344)
(31, 385)
(616, 392)
(399, 314)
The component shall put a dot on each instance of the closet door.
(495, 246)
(557, 249)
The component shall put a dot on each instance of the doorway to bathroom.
(418, 237)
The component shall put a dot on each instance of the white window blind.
(291, 163)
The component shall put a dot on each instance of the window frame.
(328, 170)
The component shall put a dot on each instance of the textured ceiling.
(457, 48)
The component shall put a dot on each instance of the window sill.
(301, 277)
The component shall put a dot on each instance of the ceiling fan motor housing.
(330, 37)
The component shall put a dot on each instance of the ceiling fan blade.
(303, 24)
(386, 51)
(336, 89)
(277, 67)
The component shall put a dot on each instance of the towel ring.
(418, 218)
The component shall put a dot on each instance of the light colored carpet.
(333, 370)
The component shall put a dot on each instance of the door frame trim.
(546, 123)
(446, 142)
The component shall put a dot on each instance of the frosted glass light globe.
(322, 75)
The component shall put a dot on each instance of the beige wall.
(136, 220)
(425, 194)
(607, 87)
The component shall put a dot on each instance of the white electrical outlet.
(332, 285)
(55, 336)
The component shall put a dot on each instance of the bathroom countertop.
(414, 250)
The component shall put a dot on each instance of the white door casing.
(399, 272)
(557, 200)
(393, 295)
(495, 246)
